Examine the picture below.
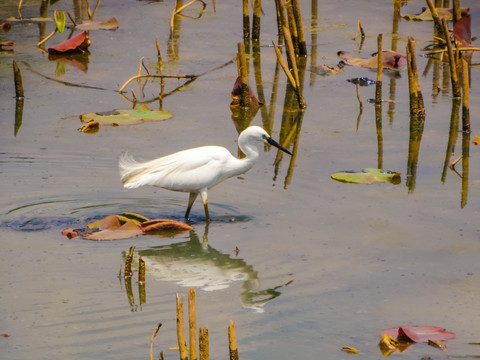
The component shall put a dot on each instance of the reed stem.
(451, 61)
(182, 345)
(192, 323)
(17, 76)
(246, 20)
(257, 11)
(232, 341)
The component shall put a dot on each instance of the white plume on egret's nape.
(195, 170)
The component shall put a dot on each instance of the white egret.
(195, 170)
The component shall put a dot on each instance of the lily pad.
(127, 116)
(367, 176)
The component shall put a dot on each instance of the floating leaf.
(325, 70)
(476, 140)
(462, 31)
(419, 333)
(164, 225)
(78, 43)
(367, 176)
(426, 15)
(237, 92)
(127, 230)
(110, 222)
(70, 233)
(90, 127)
(59, 17)
(391, 60)
(110, 24)
(127, 116)
(135, 217)
(350, 350)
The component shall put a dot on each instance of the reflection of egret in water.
(196, 264)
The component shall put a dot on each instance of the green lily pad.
(367, 176)
(127, 116)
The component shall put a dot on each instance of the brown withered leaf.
(156, 225)
(78, 43)
(127, 230)
(391, 60)
(437, 344)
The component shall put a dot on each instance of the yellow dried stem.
(204, 345)
(182, 346)
(192, 322)
(232, 341)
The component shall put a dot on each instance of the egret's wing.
(188, 170)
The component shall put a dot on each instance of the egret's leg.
(191, 200)
(205, 204)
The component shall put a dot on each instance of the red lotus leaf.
(78, 43)
(419, 333)
(462, 31)
(237, 93)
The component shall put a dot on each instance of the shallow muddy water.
(321, 264)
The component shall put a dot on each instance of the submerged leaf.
(78, 43)
(127, 116)
(367, 176)
(110, 24)
(391, 60)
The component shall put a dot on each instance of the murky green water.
(321, 264)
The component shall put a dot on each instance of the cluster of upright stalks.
(290, 33)
(198, 350)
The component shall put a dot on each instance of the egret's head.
(257, 133)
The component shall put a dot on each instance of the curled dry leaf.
(78, 43)
(350, 350)
(391, 60)
(164, 224)
(437, 344)
(388, 345)
(90, 127)
(110, 24)
(70, 233)
(237, 92)
(476, 140)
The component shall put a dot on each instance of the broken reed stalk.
(246, 20)
(378, 85)
(416, 99)
(153, 337)
(436, 19)
(182, 345)
(257, 11)
(451, 61)
(292, 61)
(284, 66)
(297, 12)
(292, 26)
(465, 98)
(128, 263)
(243, 71)
(203, 344)
(232, 341)
(141, 271)
(156, 76)
(192, 323)
(17, 76)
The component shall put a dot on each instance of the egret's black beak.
(277, 145)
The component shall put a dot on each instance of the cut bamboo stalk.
(292, 26)
(232, 341)
(128, 262)
(17, 76)
(416, 99)
(451, 61)
(465, 97)
(204, 346)
(182, 345)
(297, 12)
(257, 11)
(243, 71)
(378, 85)
(246, 20)
(436, 19)
(141, 271)
(192, 323)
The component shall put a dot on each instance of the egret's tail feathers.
(130, 171)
